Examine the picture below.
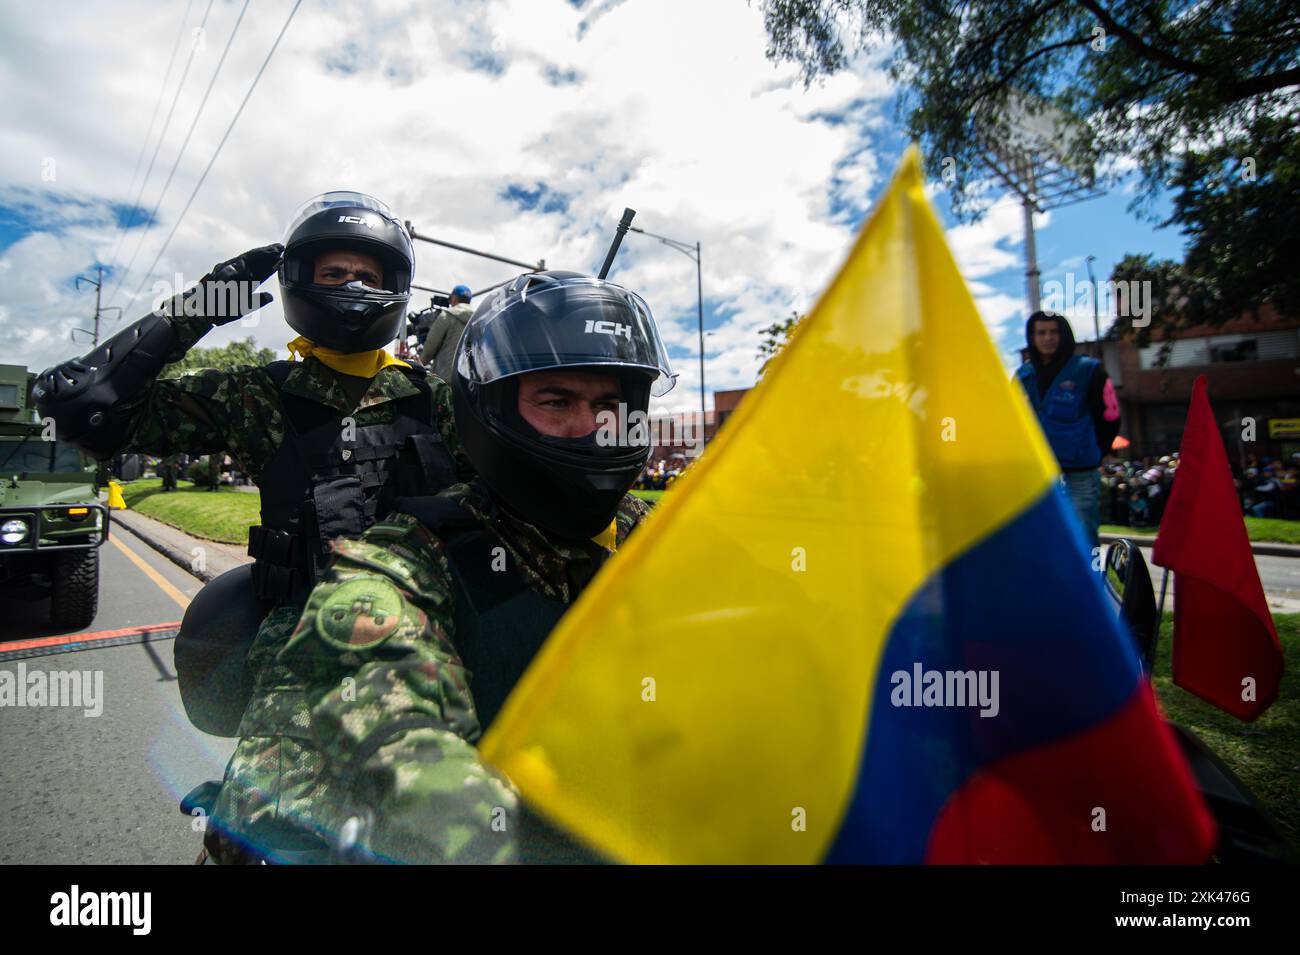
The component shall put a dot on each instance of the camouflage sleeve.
(631, 512)
(391, 709)
(189, 329)
(181, 415)
(211, 410)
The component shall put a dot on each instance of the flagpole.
(1160, 611)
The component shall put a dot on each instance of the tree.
(1239, 204)
(775, 337)
(1181, 90)
(223, 357)
(1179, 299)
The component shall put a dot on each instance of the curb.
(139, 525)
(1261, 548)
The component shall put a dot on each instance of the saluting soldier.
(330, 440)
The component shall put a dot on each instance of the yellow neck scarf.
(365, 364)
(608, 538)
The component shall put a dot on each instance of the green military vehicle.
(51, 521)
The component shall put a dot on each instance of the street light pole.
(699, 290)
(693, 253)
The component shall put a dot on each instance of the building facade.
(1252, 371)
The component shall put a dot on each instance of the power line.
(171, 111)
(217, 152)
(162, 87)
(198, 113)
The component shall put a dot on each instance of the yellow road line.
(163, 583)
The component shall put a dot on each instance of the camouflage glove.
(228, 292)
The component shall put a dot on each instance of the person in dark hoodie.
(1077, 408)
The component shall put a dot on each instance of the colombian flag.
(863, 627)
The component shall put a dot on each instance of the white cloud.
(437, 108)
(1001, 312)
(993, 244)
(693, 128)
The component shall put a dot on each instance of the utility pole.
(99, 287)
(1033, 289)
(1028, 144)
(1096, 320)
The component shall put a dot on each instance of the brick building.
(1252, 369)
(726, 402)
(678, 436)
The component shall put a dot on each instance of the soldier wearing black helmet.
(420, 629)
(330, 440)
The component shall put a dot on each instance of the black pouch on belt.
(211, 652)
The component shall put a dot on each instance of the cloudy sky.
(523, 127)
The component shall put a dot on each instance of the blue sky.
(523, 127)
(23, 213)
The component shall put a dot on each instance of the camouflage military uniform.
(392, 711)
(273, 768)
(240, 411)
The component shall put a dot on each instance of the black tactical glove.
(228, 292)
(81, 394)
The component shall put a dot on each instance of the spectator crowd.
(658, 476)
(1134, 493)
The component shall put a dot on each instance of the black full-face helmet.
(351, 317)
(545, 321)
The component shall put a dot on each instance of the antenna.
(623, 225)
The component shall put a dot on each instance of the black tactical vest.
(500, 622)
(325, 482)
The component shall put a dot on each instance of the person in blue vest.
(1077, 408)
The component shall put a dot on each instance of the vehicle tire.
(75, 594)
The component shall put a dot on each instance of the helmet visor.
(348, 221)
(553, 323)
(338, 200)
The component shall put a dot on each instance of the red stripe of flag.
(1050, 805)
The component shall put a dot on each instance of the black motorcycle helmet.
(570, 487)
(351, 317)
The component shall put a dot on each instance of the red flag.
(1224, 636)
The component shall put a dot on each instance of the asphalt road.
(1279, 575)
(76, 788)
(104, 789)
